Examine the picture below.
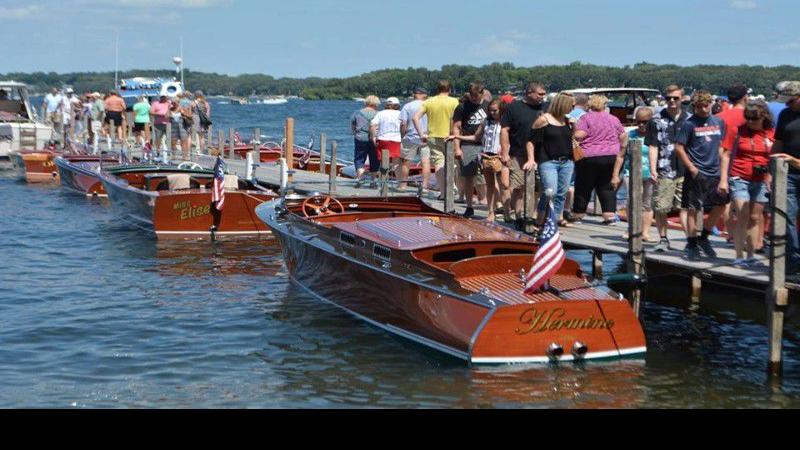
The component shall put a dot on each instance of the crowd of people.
(699, 153)
(93, 116)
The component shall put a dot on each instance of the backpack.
(205, 121)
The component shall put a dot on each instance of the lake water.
(95, 314)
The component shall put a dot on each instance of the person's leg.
(792, 210)
(739, 231)
(425, 159)
(756, 213)
(584, 181)
(647, 208)
(491, 193)
(548, 172)
(605, 190)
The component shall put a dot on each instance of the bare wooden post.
(257, 135)
(777, 294)
(231, 144)
(449, 160)
(332, 173)
(290, 147)
(635, 245)
(529, 201)
(128, 126)
(154, 141)
(697, 287)
(221, 143)
(384, 173)
(169, 137)
(322, 148)
(597, 264)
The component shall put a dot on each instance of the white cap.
(69, 91)
(392, 101)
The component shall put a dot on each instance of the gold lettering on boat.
(192, 211)
(536, 321)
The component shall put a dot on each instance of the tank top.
(552, 142)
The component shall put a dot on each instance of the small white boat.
(20, 128)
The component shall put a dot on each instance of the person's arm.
(687, 163)
(455, 133)
(417, 119)
(653, 153)
(615, 181)
(505, 145)
(724, 161)
(530, 164)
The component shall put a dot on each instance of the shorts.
(392, 146)
(138, 127)
(96, 126)
(647, 194)
(365, 150)
(667, 194)
(516, 176)
(491, 163)
(114, 117)
(437, 147)
(469, 159)
(742, 189)
(701, 190)
(178, 131)
(410, 151)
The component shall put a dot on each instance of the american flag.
(218, 193)
(550, 255)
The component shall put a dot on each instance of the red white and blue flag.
(218, 192)
(550, 255)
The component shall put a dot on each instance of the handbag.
(577, 151)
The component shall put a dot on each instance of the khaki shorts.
(516, 176)
(411, 151)
(667, 195)
(491, 163)
(437, 148)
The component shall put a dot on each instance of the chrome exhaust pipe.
(555, 351)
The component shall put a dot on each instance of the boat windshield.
(13, 104)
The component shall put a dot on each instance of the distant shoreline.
(400, 82)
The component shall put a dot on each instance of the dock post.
(221, 143)
(256, 136)
(636, 259)
(322, 148)
(332, 172)
(231, 144)
(697, 287)
(154, 141)
(169, 139)
(128, 127)
(290, 147)
(529, 201)
(449, 160)
(777, 294)
(249, 169)
(384, 173)
(208, 133)
(597, 264)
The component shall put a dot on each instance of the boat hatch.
(454, 255)
(347, 239)
(381, 252)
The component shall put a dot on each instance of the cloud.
(789, 46)
(505, 44)
(744, 4)
(21, 12)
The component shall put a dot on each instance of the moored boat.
(35, 166)
(450, 283)
(81, 173)
(175, 201)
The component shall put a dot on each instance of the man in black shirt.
(467, 118)
(514, 135)
(787, 146)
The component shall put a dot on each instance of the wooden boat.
(35, 166)
(175, 201)
(304, 159)
(81, 173)
(450, 283)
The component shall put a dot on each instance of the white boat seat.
(179, 181)
(231, 182)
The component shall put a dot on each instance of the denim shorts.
(742, 189)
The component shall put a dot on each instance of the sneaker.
(469, 212)
(662, 246)
(705, 246)
(754, 262)
(692, 253)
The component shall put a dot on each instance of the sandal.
(563, 223)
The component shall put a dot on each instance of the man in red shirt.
(733, 117)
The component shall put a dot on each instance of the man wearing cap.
(411, 146)
(776, 107)
(159, 113)
(52, 105)
(384, 130)
(787, 146)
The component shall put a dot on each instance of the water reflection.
(201, 258)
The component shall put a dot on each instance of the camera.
(760, 170)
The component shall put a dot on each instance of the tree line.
(496, 77)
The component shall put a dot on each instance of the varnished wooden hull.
(79, 174)
(35, 166)
(448, 312)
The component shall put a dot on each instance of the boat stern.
(570, 330)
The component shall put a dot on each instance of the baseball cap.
(420, 90)
(737, 92)
(392, 101)
(787, 90)
(69, 91)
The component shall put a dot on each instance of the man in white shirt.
(68, 102)
(411, 145)
(385, 130)
(52, 106)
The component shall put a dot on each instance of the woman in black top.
(551, 141)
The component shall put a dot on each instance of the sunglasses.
(642, 122)
(673, 98)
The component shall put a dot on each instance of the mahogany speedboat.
(304, 159)
(35, 166)
(81, 173)
(175, 201)
(450, 283)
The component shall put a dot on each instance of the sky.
(340, 38)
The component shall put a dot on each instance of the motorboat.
(20, 128)
(304, 158)
(622, 102)
(81, 173)
(449, 283)
(36, 166)
(175, 201)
